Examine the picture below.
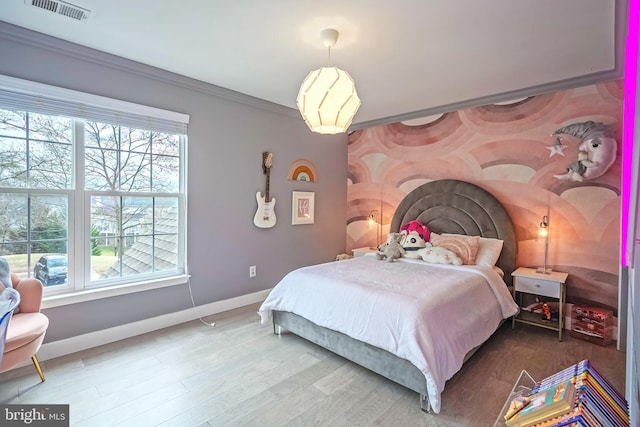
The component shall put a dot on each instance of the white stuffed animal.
(439, 255)
(412, 243)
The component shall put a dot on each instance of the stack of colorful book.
(553, 401)
(576, 396)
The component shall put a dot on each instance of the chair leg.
(37, 365)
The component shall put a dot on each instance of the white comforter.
(429, 314)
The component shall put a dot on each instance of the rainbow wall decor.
(302, 170)
(508, 150)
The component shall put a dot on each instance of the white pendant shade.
(328, 100)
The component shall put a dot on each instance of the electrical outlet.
(252, 271)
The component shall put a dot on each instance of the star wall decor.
(557, 148)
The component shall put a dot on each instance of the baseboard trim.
(71, 345)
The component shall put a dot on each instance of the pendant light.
(327, 98)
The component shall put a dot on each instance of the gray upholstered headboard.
(452, 206)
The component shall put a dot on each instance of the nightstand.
(552, 285)
(362, 251)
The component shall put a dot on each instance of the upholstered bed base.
(445, 206)
(373, 358)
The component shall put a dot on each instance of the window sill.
(111, 291)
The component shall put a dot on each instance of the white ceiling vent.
(61, 8)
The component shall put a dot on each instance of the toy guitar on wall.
(265, 216)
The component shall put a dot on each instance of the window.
(88, 203)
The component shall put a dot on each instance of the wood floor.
(239, 373)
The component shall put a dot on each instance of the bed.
(364, 309)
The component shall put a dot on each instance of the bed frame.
(445, 206)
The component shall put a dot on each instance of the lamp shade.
(328, 100)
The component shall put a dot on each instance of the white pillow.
(488, 251)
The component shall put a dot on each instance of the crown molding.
(616, 73)
(590, 79)
(35, 39)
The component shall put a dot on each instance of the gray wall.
(227, 134)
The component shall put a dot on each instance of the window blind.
(25, 95)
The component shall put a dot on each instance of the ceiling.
(409, 58)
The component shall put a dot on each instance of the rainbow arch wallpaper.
(506, 149)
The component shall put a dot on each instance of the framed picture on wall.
(302, 206)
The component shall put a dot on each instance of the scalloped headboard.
(452, 206)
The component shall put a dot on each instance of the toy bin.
(593, 324)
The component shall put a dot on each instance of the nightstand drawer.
(538, 287)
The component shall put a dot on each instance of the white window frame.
(35, 97)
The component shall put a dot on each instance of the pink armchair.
(26, 328)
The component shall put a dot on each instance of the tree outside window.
(128, 182)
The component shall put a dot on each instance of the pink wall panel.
(504, 149)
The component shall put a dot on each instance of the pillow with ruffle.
(489, 249)
(466, 247)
